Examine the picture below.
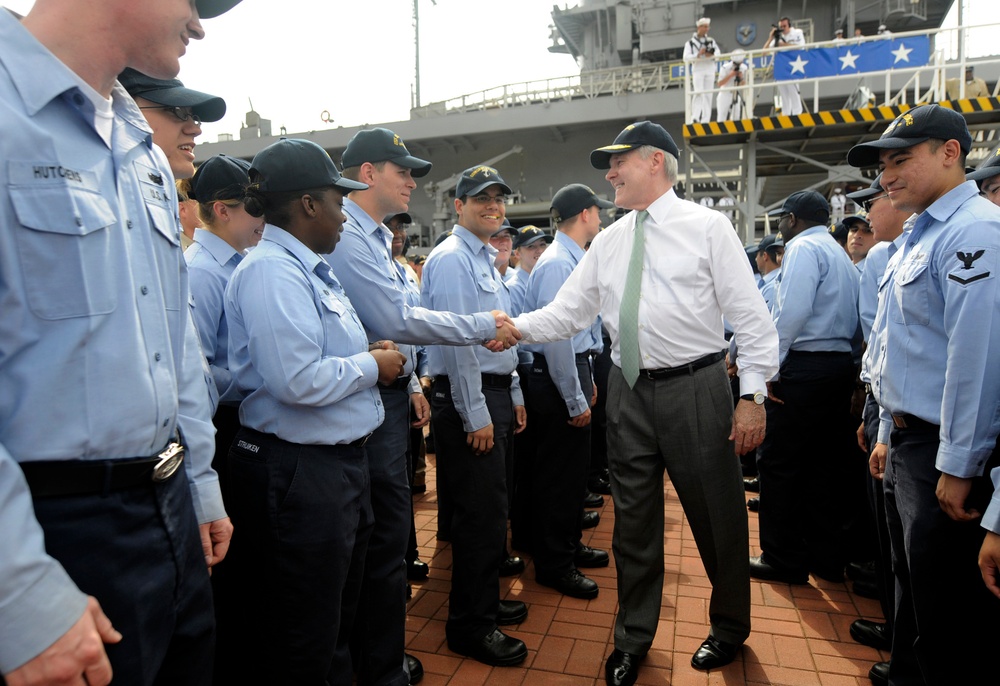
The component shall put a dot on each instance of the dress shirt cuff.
(961, 462)
(487, 324)
(516, 395)
(369, 369)
(522, 325)
(578, 405)
(36, 617)
(207, 498)
(991, 518)
(884, 431)
(477, 419)
(751, 383)
(414, 386)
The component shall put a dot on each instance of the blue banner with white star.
(852, 58)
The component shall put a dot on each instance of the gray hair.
(669, 161)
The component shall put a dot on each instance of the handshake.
(507, 333)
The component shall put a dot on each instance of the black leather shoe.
(600, 483)
(879, 674)
(590, 519)
(592, 500)
(871, 634)
(621, 669)
(753, 504)
(415, 668)
(511, 612)
(496, 648)
(589, 558)
(713, 654)
(765, 572)
(573, 584)
(511, 566)
(417, 570)
(865, 589)
(751, 485)
(858, 571)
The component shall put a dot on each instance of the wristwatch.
(755, 398)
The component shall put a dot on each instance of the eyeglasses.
(182, 114)
(486, 199)
(867, 204)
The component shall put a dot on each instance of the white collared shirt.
(695, 271)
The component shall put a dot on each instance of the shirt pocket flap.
(57, 209)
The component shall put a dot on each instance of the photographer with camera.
(699, 55)
(782, 35)
(732, 76)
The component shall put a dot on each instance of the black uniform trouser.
(807, 465)
(224, 594)
(558, 473)
(599, 413)
(947, 624)
(139, 553)
(876, 501)
(520, 483)
(478, 526)
(302, 520)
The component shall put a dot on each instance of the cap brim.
(601, 158)
(983, 173)
(346, 185)
(417, 166)
(507, 229)
(864, 194)
(856, 217)
(604, 204)
(206, 107)
(483, 186)
(778, 212)
(546, 238)
(866, 154)
(209, 9)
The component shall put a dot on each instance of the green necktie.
(628, 314)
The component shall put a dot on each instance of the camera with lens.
(708, 46)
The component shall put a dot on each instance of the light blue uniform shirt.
(297, 350)
(98, 355)
(868, 300)
(384, 300)
(550, 273)
(517, 285)
(211, 261)
(991, 518)
(769, 287)
(817, 300)
(459, 276)
(937, 359)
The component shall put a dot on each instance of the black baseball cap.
(839, 232)
(208, 9)
(634, 136)
(441, 237)
(173, 93)
(529, 235)
(220, 177)
(505, 227)
(807, 205)
(403, 217)
(573, 199)
(770, 243)
(989, 168)
(874, 189)
(294, 164)
(380, 145)
(475, 180)
(912, 128)
(854, 218)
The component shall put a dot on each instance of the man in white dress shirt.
(669, 405)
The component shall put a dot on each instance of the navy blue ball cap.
(173, 93)
(220, 177)
(294, 164)
(770, 243)
(475, 180)
(989, 168)
(573, 199)
(874, 189)
(529, 235)
(505, 227)
(381, 145)
(911, 128)
(634, 136)
(806, 205)
(208, 9)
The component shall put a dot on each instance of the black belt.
(908, 421)
(542, 363)
(58, 478)
(684, 369)
(402, 383)
(488, 380)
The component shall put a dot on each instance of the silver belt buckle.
(169, 461)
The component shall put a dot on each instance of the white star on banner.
(902, 53)
(799, 65)
(848, 60)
